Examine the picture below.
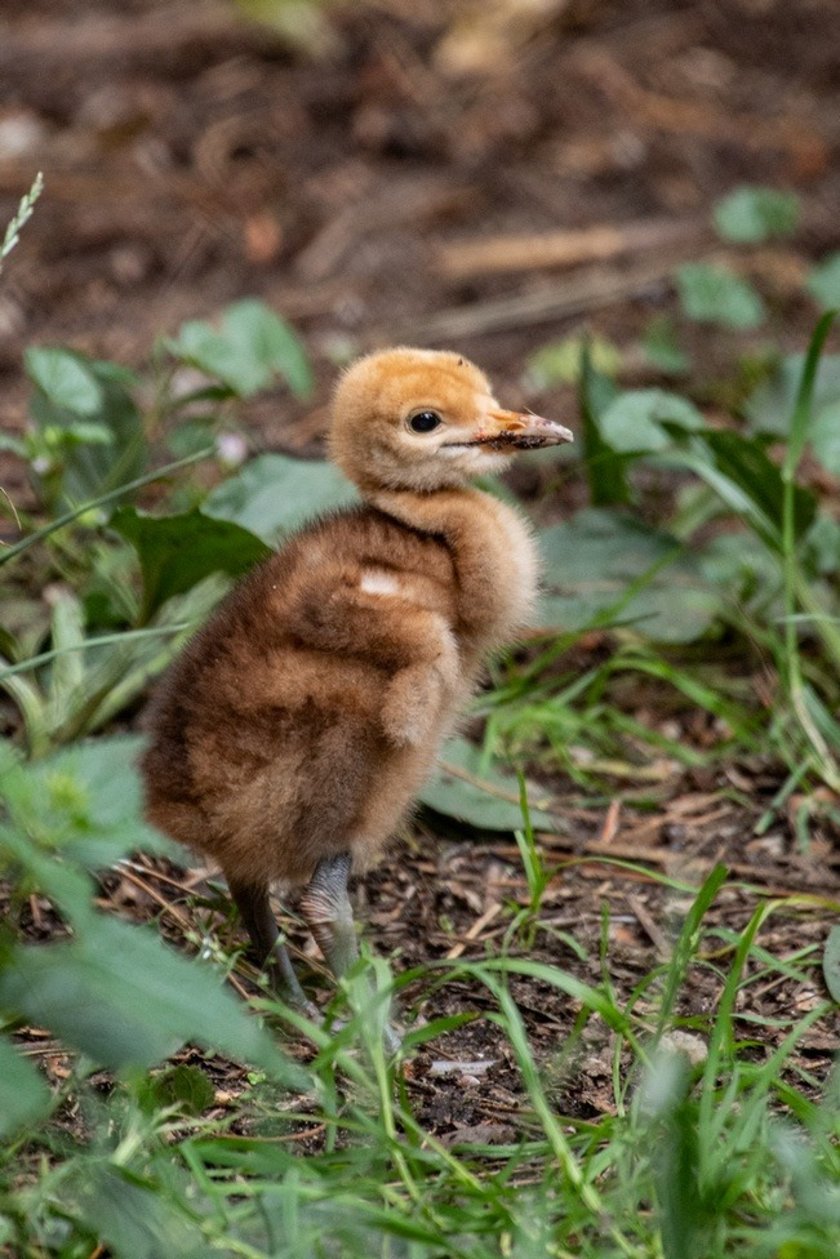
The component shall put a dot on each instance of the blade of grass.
(112, 496)
(687, 944)
(792, 582)
(102, 640)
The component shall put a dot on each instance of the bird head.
(406, 419)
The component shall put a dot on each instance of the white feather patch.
(376, 581)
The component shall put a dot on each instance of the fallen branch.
(571, 248)
(590, 290)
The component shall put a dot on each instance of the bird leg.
(253, 905)
(329, 915)
(326, 907)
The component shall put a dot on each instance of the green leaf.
(64, 378)
(823, 546)
(251, 347)
(824, 281)
(256, 331)
(606, 471)
(117, 994)
(79, 808)
(801, 419)
(274, 495)
(14, 444)
(746, 575)
(177, 552)
(744, 462)
(770, 407)
(560, 362)
(633, 422)
(88, 469)
(712, 294)
(87, 802)
(186, 1086)
(604, 567)
(136, 1218)
(659, 343)
(23, 1094)
(831, 963)
(203, 347)
(488, 799)
(750, 215)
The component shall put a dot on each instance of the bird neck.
(493, 552)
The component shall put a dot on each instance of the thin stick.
(569, 248)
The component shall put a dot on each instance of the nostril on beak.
(529, 431)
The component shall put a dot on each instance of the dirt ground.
(358, 185)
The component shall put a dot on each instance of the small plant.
(90, 448)
(23, 215)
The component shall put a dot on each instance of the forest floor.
(358, 186)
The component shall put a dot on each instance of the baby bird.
(292, 735)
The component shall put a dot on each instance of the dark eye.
(424, 421)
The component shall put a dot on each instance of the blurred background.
(491, 175)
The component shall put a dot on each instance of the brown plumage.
(292, 735)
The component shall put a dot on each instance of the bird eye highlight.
(424, 421)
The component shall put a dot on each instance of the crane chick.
(292, 735)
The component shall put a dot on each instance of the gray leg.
(255, 910)
(329, 915)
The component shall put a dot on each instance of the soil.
(191, 159)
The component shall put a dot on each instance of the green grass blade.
(102, 501)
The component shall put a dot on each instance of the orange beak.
(526, 431)
(502, 430)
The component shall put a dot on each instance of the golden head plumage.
(424, 420)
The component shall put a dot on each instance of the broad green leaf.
(274, 494)
(831, 963)
(770, 407)
(177, 552)
(488, 799)
(80, 808)
(257, 332)
(202, 346)
(117, 994)
(744, 574)
(87, 469)
(604, 567)
(712, 294)
(824, 281)
(65, 379)
(633, 422)
(23, 1094)
(750, 215)
(86, 801)
(251, 347)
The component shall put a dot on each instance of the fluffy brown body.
(306, 714)
(293, 733)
